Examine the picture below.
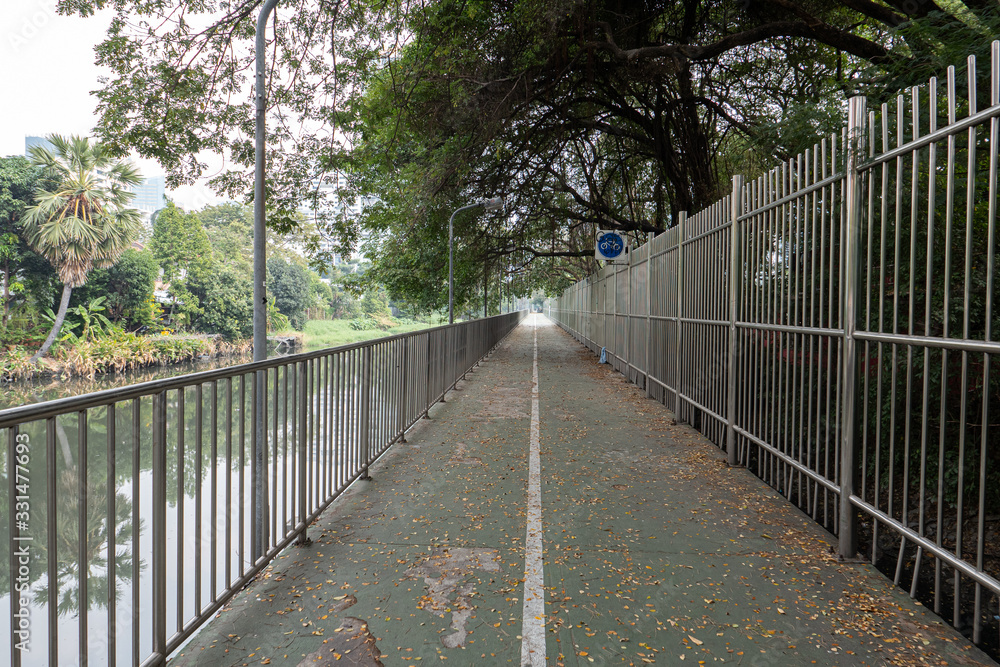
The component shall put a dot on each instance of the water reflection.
(68, 569)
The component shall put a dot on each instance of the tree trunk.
(60, 317)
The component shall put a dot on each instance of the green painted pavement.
(655, 552)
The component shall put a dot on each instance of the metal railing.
(832, 325)
(129, 514)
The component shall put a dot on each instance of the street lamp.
(260, 538)
(490, 205)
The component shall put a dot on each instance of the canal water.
(103, 507)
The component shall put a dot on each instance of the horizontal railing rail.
(129, 514)
(832, 325)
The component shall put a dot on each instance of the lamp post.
(490, 205)
(260, 537)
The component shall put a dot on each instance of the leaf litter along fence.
(139, 501)
(833, 326)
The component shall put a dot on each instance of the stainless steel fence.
(832, 325)
(129, 514)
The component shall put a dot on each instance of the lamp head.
(493, 204)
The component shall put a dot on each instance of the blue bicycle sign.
(610, 245)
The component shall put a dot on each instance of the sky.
(47, 71)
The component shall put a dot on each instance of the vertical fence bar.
(682, 219)
(242, 489)
(734, 291)
(51, 537)
(112, 598)
(627, 325)
(213, 501)
(136, 528)
(81, 531)
(365, 405)
(647, 362)
(260, 504)
(229, 481)
(303, 406)
(179, 421)
(15, 540)
(848, 538)
(159, 521)
(404, 398)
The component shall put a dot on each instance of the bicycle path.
(648, 548)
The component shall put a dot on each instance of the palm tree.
(83, 221)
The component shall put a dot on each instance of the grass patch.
(320, 334)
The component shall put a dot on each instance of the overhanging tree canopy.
(606, 113)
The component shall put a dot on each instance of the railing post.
(682, 218)
(366, 403)
(430, 384)
(848, 454)
(159, 527)
(15, 540)
(735, 269)
(300, 468)
(81, 509)
(402, 389)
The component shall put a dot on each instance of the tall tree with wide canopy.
(84, 220)
(584, 112)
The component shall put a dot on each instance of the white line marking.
(533, 623)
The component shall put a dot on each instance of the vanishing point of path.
(549, 514)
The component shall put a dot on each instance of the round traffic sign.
(610, 245)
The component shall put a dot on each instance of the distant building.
(29, 142)
(151, 195)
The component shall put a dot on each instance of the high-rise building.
(150, 196)
(35, 141)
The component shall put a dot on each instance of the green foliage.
(226, 302)
(18, 263)
(363, 323)
(93, 323)
(179, 242)
(128, 286)
(375, 304)
(289, 285)
(230, 231)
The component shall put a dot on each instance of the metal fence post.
(849, 459)
(682, 218)
(626, 349)
(735, 268)
(159, 525)
(429, 398)
(613, 338)
(649, 307)
(366, 406)
(404, 399)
